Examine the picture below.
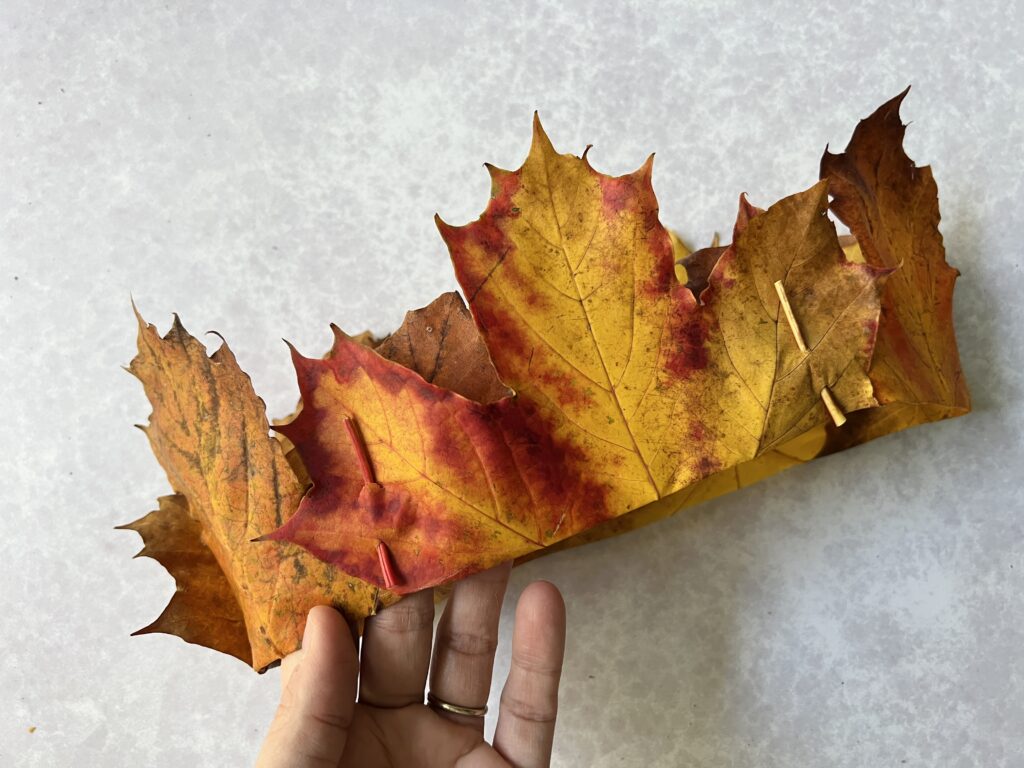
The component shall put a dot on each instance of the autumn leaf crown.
(598, 376)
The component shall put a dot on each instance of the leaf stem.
(387, 565)
(360, 450)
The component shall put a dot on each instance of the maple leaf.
(441, 344)
(892, 207)
(203, 609)
(209, 431)
(627, 389)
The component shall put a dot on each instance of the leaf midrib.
(590, 328)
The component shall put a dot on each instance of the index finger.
(312, 721)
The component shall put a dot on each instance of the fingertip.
(539, 633)
(321, 620)
(541, 600)
(544, 590)
(327, 637)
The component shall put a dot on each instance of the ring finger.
(467, 637)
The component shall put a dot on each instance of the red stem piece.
(360, 450)
(387, 565)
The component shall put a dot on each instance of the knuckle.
(401, 618)
(468, 643)
(522, 708)
(536, 664)
(330, 720)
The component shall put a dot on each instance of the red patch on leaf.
(688, 334)
(870, 333)
(567, 391)
(708, 466)
(505, 338)
(744, 214)
(486, 234)
(664, 276)
(617, 192)
(554, 470)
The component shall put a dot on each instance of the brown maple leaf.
(441, 344)
(892, 207)
(203, 609)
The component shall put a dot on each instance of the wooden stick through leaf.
(830, 404)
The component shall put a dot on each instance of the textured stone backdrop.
(267, 168)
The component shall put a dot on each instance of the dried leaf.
(892, 207)
(204, 609)
(441, 344)
(209, 432)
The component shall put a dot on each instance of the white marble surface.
(266, 168)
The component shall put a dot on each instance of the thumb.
(312, 721)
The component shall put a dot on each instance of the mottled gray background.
(267, 168)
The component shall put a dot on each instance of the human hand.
(320, 722)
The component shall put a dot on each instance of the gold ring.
(455, 709)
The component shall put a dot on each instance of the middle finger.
(396, 652)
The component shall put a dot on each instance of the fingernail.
(305, 630)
